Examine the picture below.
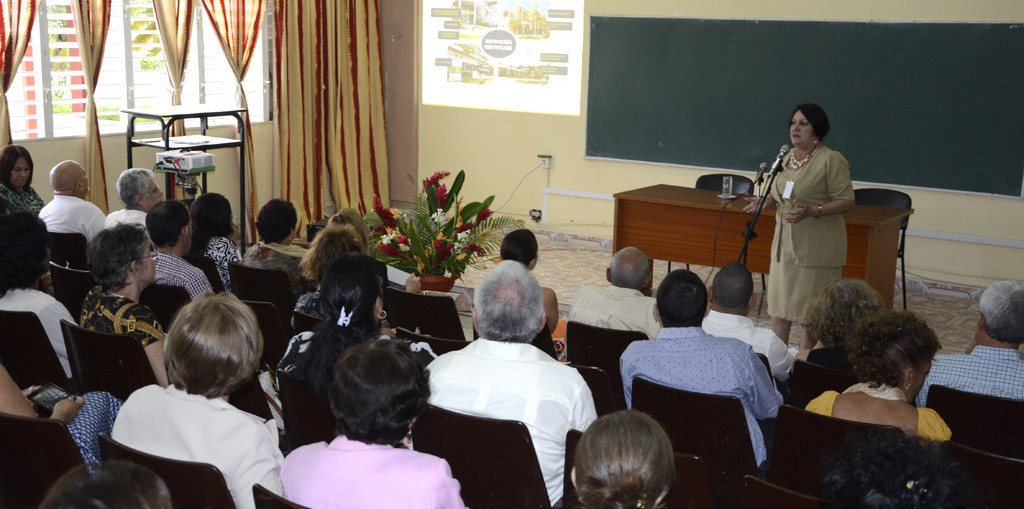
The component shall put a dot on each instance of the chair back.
(804, 439)
(275, 335)
(251, 398)
(879, 197)
(68, 250)
(266, 499)
(710, 426)
(302, 322)
(106, 362)
(264, 285)
(192, 484)
(307, 419)
(600, 388)
(760, 493)
(27, 352)
(209, 267)
(70, 286)
(435, 315)
(713, 181)
(588, 345)
(439, 346)
(996, 479)
(545, 343)
(165, 301)
(971, 416)
(809, 380)
(570, 498)
(36, 452)
(481, 451)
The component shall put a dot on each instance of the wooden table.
(689, 225)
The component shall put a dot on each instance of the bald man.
(625, 304)
(69, 212)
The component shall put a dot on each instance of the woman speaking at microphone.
(810, 195)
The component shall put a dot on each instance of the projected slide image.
(516, 55)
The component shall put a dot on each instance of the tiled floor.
(569, 262)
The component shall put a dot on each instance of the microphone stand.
(749, 233)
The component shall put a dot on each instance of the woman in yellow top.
(891, 354)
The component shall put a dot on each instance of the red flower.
(465, 227)
(442, 254)
(442, 194)
(387, 249)
(434, 179)
(379, 229)
(483, 215)
(438, 244)
(475, 249)
(384, 214)
(403, 239)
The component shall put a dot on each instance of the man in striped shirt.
(169, 229)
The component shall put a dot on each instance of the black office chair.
(896, 199)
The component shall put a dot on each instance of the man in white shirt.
(502, 376)
(69, 212)
(731, 296)
(138, 191)
(626, 304)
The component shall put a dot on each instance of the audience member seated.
(213, 349)
(276, 225)
(168, 225)
(137, 189)
(121, 260)
(896, 472)
(117, 485)
(23, 260)
(85, 416)
(831, 319)
(732, 295)
(521, 246)
(330, 243)
(891, 354)
(16, 177)
(624, 460)
(625, 305)
(353, 218)
(994, 364)
(69, 212)
(377, 391)
(502, 376)
(5, 206)
(685, 357)
(212, 232)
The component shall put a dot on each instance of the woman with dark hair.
(276, 225)
(376, 393)
(810, 196)
(832, 318)
(521, 246)
(122, 260)
(117, 485)
(212, 232)
(16, 176)
(891, 355)
(624, 461)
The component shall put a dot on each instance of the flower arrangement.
(440, 235)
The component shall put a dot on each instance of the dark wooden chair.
(809, 380)
(251, 398)
(996, 479)
(301, 322)
(36, 452)
(68, 250)
(570, 498)
(70, 286)
(307, 420)
(760, 493)
(27, 352)
(600, 388)
(435, 315)
(971, 418)
(192, 484)
(275, 335)
(209, 267)
(265, 499)
(481, 450)
(710, 426)
(165, 301)
(106, 362)
(896, 199)
(545, 343)
(264, 285)
(587, 345)
(440, 346)
(804, 439)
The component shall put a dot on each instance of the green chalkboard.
(935, 105)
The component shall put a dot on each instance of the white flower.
(447, 273)
(386, 239)
(403, 247)
(438, 216)
(462, 238)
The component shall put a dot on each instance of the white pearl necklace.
(794, 164)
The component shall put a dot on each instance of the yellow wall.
(497, 148)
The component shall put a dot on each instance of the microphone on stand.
(777, 165)
(760, 173)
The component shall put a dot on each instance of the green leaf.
(454, 191)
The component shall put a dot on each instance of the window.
(47, 97)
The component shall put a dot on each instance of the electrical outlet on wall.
(536, 215)
(545, 161)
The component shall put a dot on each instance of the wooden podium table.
(679, 224)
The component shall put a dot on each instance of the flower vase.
(436, 283)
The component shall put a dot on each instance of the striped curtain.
(174, 20)
(238, 24)
(17, 17)
(330, 105)
(92, 19)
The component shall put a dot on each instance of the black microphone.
(777, 165)
(760, 173)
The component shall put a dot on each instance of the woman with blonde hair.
(329, 244)
(832, 317)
